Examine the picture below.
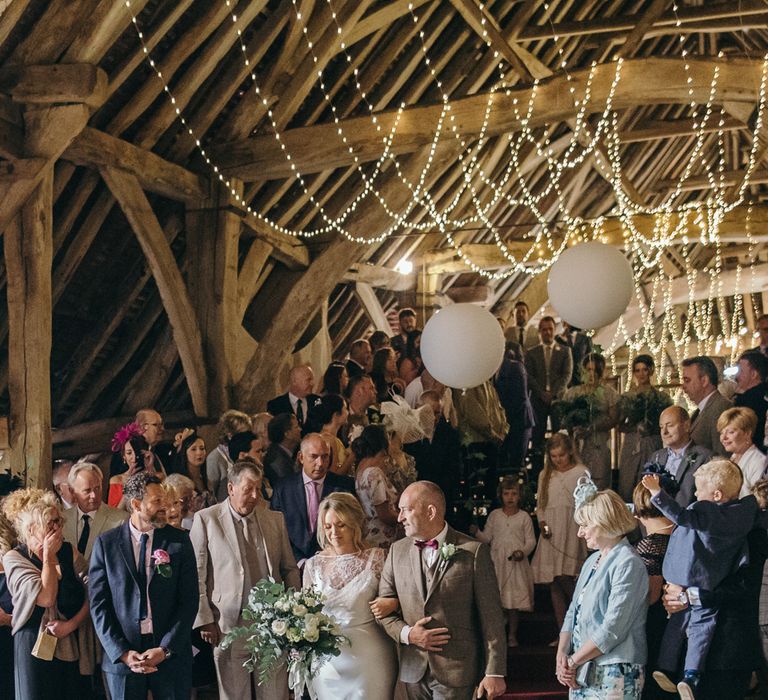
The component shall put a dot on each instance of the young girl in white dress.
(560, 552)
(509, 532)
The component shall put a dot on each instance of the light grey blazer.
(614, 606)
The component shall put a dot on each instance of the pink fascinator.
(124, 434)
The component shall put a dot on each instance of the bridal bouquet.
(286, 623)
(578, 412)
(643, 409)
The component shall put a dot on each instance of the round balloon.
(590, 285)
(462, 345)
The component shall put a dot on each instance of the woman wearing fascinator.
(602, 647)
(131, 454)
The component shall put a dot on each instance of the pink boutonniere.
(162, 561)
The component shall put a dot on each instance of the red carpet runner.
(531, 666)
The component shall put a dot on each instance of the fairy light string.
(673, 223)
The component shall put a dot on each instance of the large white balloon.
(462, 345)
(590, 285)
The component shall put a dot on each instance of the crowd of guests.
(136, 591)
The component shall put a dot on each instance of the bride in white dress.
(347, 574)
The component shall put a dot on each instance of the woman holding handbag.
(45, 578)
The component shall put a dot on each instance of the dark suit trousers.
(171, 681)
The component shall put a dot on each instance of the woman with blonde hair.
(736, 426)
(45, 578)
(347, 573)
(601, 651)
(559, 553)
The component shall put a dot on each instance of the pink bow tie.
(426, 543)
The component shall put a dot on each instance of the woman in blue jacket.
(602, 647)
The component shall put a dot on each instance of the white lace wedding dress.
(367, 667)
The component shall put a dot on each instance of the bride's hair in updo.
(349, 511)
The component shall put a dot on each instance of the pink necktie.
(314, 504)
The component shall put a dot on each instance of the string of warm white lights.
(671, 221)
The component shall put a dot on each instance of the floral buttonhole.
(162, 562)
(447, 551)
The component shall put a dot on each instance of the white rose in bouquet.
(280, 627)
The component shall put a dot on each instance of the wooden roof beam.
(674, 128)
(487, 28)
(380, 276)
(667, 22)
(644, 23)
(48, 131)
(96, 149)
(84, 356)
(733, 229)
(173, 291)
(644, 81)
(182, 48)
(81, 83)
(729, 178)
(382, 18)
(287, 249)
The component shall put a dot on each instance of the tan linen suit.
(704, 432)
(463, 596)
(221, 577)
(103, 519)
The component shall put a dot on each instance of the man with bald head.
(360, 358)
(298, 496)
(299, 397)
(449, 625)
(679, 456)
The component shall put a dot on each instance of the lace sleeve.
(309, 570)
(378, 557)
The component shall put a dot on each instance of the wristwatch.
(168, 653)
(571, 663)
(683, 598)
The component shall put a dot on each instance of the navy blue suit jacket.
(289, 498)
(512, 388)
(113, 589)
(710, 540)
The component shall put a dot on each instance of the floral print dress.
(373, 488)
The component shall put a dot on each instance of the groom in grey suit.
(450, 625)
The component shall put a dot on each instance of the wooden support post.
(372, 306)
(213, 232)
(170, 284)
(28, 249)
